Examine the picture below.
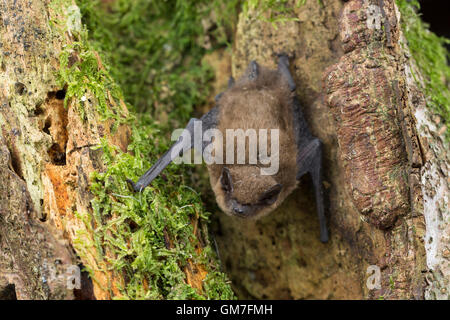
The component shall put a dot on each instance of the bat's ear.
(271, 195)
(283, 68)
(226, 181)
(253, 70)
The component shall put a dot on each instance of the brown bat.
(260, 99)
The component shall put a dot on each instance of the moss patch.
(151, 235)
(274, 11)
(155, 49)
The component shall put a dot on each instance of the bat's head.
(242, 191)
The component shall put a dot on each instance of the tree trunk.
(385, 165)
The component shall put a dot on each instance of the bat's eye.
(271, 195)
(225, 179)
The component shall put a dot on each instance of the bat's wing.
(309, 157)
(184, 143)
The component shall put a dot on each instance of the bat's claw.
(324, 237)
(132, 185)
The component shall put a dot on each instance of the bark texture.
(353, 73)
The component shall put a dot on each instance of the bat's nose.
(239, 210)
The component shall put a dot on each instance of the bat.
(260, 99)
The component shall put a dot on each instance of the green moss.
(274, 11)
(85, 75)
(156, 49)
(80, 72)
(430, 54)
(391, 282)
(135, 227)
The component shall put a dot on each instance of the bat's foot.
(324, 237)
(285, 55)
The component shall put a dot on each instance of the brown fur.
(264, 103)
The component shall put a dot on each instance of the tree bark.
(385, 165)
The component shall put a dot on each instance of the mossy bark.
(353, 73)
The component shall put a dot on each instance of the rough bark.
(384, 178)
